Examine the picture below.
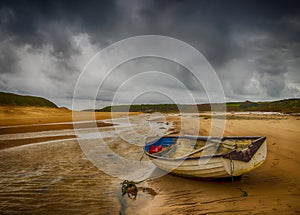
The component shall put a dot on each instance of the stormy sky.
(253, 46)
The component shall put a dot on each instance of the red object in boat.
(155, 149)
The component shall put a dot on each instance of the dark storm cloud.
(205, 24)
(208, 25)
(253, 45)
(40, 22)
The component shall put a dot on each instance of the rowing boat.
(207, 157)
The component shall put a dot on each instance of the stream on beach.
(82, 175)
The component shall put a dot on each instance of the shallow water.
(76, 176)
(54, 178)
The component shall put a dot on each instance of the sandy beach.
(273, 188)
(45, 170)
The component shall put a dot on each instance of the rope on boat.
(231, 168)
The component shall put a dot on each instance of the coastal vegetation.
(11, 99)
(283, 106)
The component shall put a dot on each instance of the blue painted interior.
(164, 141)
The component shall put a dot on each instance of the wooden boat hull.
(216, 166)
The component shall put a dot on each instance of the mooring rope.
(232, 168)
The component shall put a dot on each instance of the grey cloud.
(144, 72)
(253, 45)
(8, 58)
(274, 84)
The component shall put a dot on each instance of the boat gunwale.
(233, 154)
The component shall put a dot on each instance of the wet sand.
(56, 177)
(5, 144)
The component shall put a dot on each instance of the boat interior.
(180, 147)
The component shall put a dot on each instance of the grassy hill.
(11, 99)
(142, 108)
(283, 106)
(150, 108)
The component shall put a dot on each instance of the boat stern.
(239, 163)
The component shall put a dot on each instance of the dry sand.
(273, 188)
(10, 116)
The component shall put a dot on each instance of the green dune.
(11, 99)
(283, 106)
